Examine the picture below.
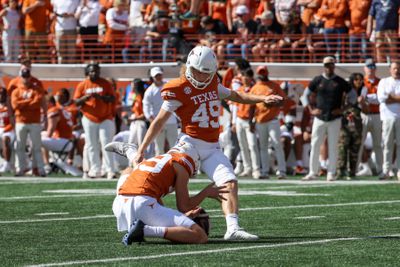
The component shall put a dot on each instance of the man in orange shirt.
(138, 205)
(332, 13)
(36, 14)
(59, 130)
(267, 123)
(7, 134)
(96, 98)
(27, 100)
(195, 97)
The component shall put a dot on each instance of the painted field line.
(51, 213)
(8, 199)
(309, 217)
(199, 252)
(218, 210)
(392, 218)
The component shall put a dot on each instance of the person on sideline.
(389, 98)
(329, 90)
(96, 98)
(195, 97)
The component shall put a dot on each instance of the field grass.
(63, 221)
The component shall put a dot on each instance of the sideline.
(217, 210)
(228, 250)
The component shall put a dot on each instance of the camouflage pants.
(349, 146)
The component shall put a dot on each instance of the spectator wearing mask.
(27, 99)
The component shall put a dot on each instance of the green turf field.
(67, 221)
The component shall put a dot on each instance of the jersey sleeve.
(223, 92)
(171, 105)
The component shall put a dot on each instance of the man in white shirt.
(389, 97)
(66, 23)
(152, 103)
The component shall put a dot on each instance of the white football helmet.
(190, 150)
(203, 59)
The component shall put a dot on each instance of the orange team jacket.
(155, 177)
(18, 80)
(96, 110)
(26, 103)
(264, 114)
(243, 110)
(64, 125)
(200, 109)
(333, 13)
(5, 122)
(137, 107)
(372, 88)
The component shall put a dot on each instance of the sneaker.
(330, 177)
(111, 175)
(299, 170)
(93, 175)
(309, 177)
(366, 171)
(85, 175)
(239, 234)
(281, 176)
(238, 169)
(119, 148)
(384, 176)
(135, 233)
(47, 168)
(245, 173)
(256, 174)
(5, 167)
(188, 16)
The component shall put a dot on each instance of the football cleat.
(239, 234)
(120, 148)
(309, 177)
(135, 233)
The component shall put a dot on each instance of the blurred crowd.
(70, 31)
(341, 127)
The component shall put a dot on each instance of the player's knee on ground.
(200, 236)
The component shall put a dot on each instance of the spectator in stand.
(329, 89)
(371, 118)
(217, 11)
(106, 5)
(96, 98)
(117, 26)
(7, 133)
(218, 46)
(357, 24)
(11, 31)
(243, 27)
(156, 8)
(88, 14)
(209, 24)
(36, 21)
(65, 29)
(389, 98)
(231, 7)
(333, 13)
(57, 137)
(383, 21)
(241, 123)
(26, 100)
(267, 124)
(351, 131)
(285, 10)
(152, 103)
(266, 28)
(138, 125)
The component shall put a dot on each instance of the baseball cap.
(241, 10)
(262, 70)
(155, 71)
(329, 60)
(370, 63)
(267, 15)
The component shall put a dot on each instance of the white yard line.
(8, 199)
(309, 217)
(199, 252)
(218, 210)
(51, 213)
(392, 218)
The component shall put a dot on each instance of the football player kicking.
(138, 206)
(195, 98)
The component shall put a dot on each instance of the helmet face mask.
(201, 61)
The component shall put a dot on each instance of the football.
(203, 220)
